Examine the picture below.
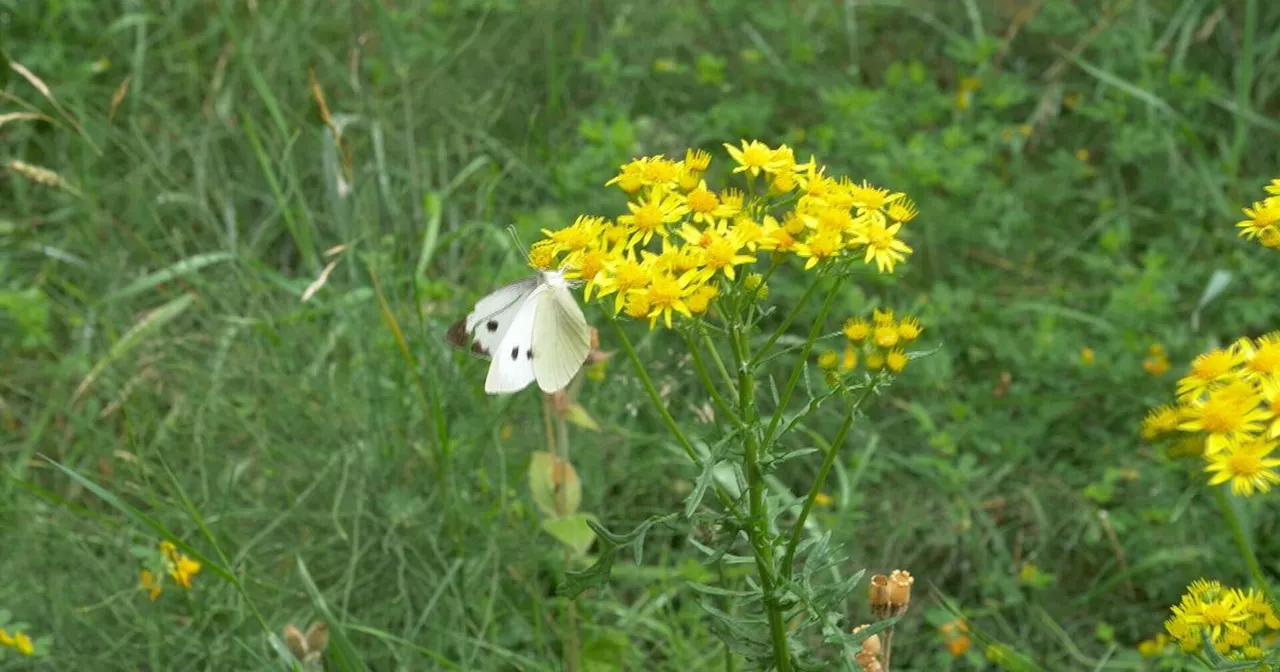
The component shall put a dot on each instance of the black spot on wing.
(515, 353)
(491, 325)
(528, 353)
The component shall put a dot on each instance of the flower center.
(664, 292)
(703, 201)
(1215, 614)
(648, 217)
(1244, 465)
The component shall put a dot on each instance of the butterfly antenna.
(515, 238)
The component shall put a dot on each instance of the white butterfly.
(532, 330)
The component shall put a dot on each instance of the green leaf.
(595, 576)
(573, 531)
(545, 485)
(138, 333)
(179, 269)
(578, 415)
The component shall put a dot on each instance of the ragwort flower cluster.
(681, 239)
(1263, 223)
(1229, 403)
(1238, 623)
(878, 344)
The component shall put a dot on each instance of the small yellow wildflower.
(1228, 413)
(623, 274)
(753, 158)
(896, 360)
(703, 204)
(856, 329)
(828, 360)
(1246, 465)
(665, 295)
(882, 316)
(882, 245)
(909, 329)
(823, 499)
(1086, 356)
(886, 335)
(650, 216)
(1154, 647)
(902, 210)
(1262, 357)
(868, 197)
(850, 359)
(697, 160)
(875, 361)
(1156, 365)
(149, 582)
(818, 247)
(1207, 369)
(542, 255)
(1262, 216)
(700, 299)
(1160, 421)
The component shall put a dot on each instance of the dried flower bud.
(867, 662)
(295, 641)
(879, 594)
(870, 644)
(900, 588)
(317, 637)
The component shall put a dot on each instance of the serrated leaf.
(595, 576)
(554, 485)
(573, 531)
(723, 592)
(579, 416)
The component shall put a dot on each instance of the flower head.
(753, 158)
(1248, 465)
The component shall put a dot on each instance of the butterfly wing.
(561, 338)
(492, 316)
(512, 366)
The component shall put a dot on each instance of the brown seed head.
(867, 662)
(870, 644)
(879, 591)
(900, 588)
(295, 641)
(317, 637)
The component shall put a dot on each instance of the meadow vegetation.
(233, 235)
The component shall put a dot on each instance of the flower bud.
(867, 662)
(870, 644)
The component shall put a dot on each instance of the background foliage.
(1078, 166)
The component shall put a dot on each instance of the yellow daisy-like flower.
(721, 254)
(886, 335)
(856, 329)
(697, 160)
(1207, 369)
(819, 247)
(775, 237)
(747, 232)
(703, 204)
(828, 361)
(1247, 465)
(731, 201)
(637, 305)
(659, 171)
(1262, 216)
(895, 360)
(699, 300)
(631, 177)
(665, 295)
(584, 231)
(832, 220)
(1160, 421)
(542, 255)
(183, 569)
(883, 246)
(623, 275)
(1269, 388)
(586, 266)
(1273, 187)
(868, 197)
(1261, 357)
(651, 215)
(753, 158)
(902, 210)
(909, 329)
(874, 361)
(850, 359)
(1228, 414)
(1218, 611)
(882, 316)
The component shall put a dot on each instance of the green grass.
(335, 460)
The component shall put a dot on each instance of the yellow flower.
(1270, 389)
(775, 238)
(623, 275)
(902, 210)
(659, 171)
(909, 329)
(882, 245)
(697, 160)
(822, 499)
(747, 232)
(630, 179)
(1262, 216)
(730, 202)
(753, 158)
(1221, 612)
(850, 359)
(1247, 465)
(720, 255)
(584, 231)
(818, 247)
(1160, 422)
(1207, 369)
(1156, 365)
(828, 360)
(833, 220)
(700, 299)
(856, 329)
(542, 255)
(149, 582)
(703, 203)
(665, 295)
(896, 360)
(1229, 413)
(1152, 648)
(1086, 356)
(650, 216)
(886, 335)
(587, 266)
(875, 361)
(183, 569)
(868, 197)
(1262, 358)
(1273, 187)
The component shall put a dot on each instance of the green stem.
(715, 358)
(725, 500)
(782, 329)
(721, 404)
(814, 333)
(1242, 542)
(833, 449)
(1244, 83)
(758, 522)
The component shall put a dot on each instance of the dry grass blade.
(48, 94)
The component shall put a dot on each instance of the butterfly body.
(532, 330)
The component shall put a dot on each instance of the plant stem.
(758, 523)
(705, 377)
(715, 357)
(1242, 542)
(814, 333)
(786, 323)
(833, 449)
(559, 440)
